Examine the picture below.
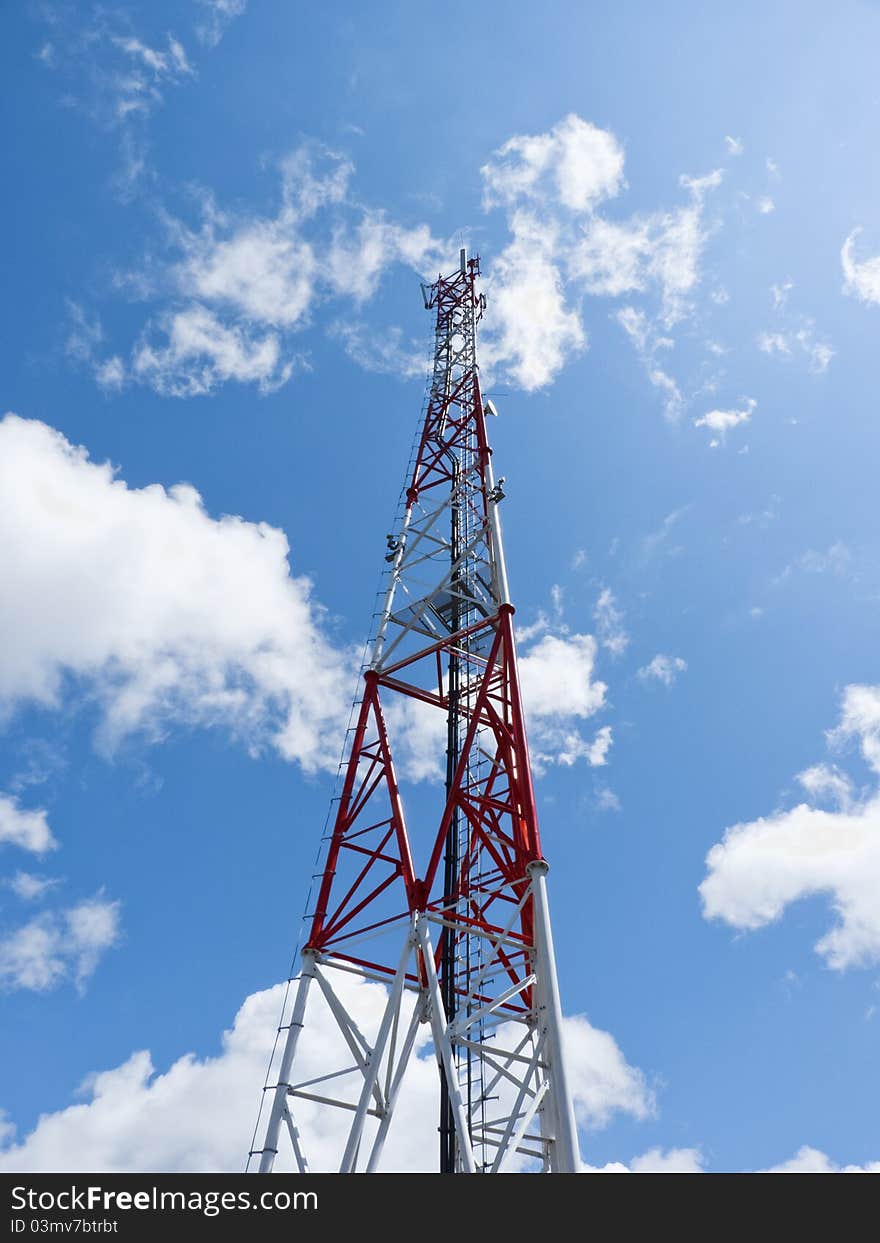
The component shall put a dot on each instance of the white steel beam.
(279, 1101)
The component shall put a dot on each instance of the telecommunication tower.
(448, 909)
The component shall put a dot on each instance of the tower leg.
(566, 1151)
(279, 1102)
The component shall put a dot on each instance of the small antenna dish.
(489, 408)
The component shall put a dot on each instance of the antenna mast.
(448, 911)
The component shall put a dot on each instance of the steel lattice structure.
(451, 915)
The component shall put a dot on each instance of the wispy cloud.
(646, 342)
(794, 336)
(104, 68)
(836, 559)
(240, 286)
(216, 17)
(804, 342)
(609, 623)
(658, 542)
(31, 888)
(664, 669)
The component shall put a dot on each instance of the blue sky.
(216, 221)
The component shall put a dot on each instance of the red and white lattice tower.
(448, 909)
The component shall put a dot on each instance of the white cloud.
(675, 262)
(557, 677)
(721, 421)
(197, 1115)
(551, 186)
(766, 206)
(160, 612)
(761, 867)
(860, 719)
(31, 888)
(28, 830)
(699, 186)
(576, 163)
(356, 258)
(531, 331)
(558, 684)
(552, 743)
(201, 353)
(610, 259)
(240, 286)
(663, 669)
(267, 270)
(609, 623)
(672, 1161)
(662, 249)
(40, 954)
(734, 146)
(811, 1161)
(862, 280)
(264, 272)
(599, 747)
(218, 15)
(263, 268)
(600, 1079)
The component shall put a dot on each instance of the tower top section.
(447, 562)
(447, 288)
